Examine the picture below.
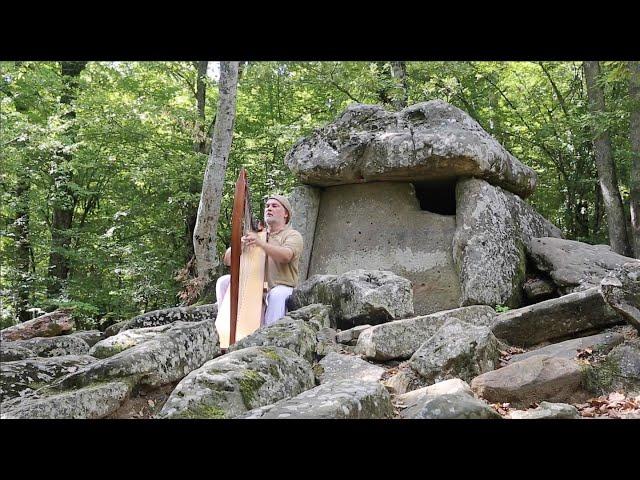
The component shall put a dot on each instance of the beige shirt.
(285, 273)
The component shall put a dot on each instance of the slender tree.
(63, 198)
(204, 236)
(401, 96)
(634, 138)
(616, 220)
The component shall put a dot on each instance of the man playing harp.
(283, 248)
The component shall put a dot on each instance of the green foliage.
(132, 176)
(501, 308)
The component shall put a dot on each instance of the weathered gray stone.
(21, 377)
(459, 350)
(94, 401)
(412, 401)
(91, 337)
(341, 399)
(10, 352)
(305, 201)
(164, 359)
(115, 328)
(126, 339)
(621, 290)
(532, 380)
(50, 324)
(425, 141)
(357, 297)
(170, 315)
(546, 410)
(401, 338)
(316, 313)
(454, 405)
(403, 381)
(537, 289)
(239, 381)
(626, 359)
(327, 342)
(488, 248)
(574, 266)
(554, 319)
(296, 335)
(382, 226)
(336, 367)
(601, 343)
(50, 346)
(352, 334)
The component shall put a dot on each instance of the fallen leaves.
(505, 355)
(613, 405)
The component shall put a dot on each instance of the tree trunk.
(401, 95)
(200, 146)
(634, 138)
(63, 198)
(204, 236)
(607, 177)
(23, 246)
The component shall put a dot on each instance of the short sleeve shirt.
(285, 273)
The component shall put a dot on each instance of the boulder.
(51, 324)
(316, 314)
(532, 380)
(454, 405)
(625, 360)
(91, 337)
(351, 335)
(403, 381)
(10, 352)
(399, 339)
(555, 319)
(458, 349)
(574, 266)
(352, 399)
(296, 335)
(538, 289)
(427, 141)
(239, 381)
(621, 290)
(357, 297)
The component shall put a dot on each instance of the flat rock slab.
(400, 339)
(457, 405)
(239, 381)
(336, 367)
(10, 352)
(621, 290)
(94, 401)
(90, 336)
(352, 399)
(557, 318)
(488, 246)
(22, 377)
(574, 266)
(533, 380)
(548, 411)
(352, 334)
(170, 315)
(166, 358)
(412, 401)
(602, 343)
(427, 141)
(124, 340)
(49, 346)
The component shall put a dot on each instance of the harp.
(241, 311)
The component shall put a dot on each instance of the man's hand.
(252, 238)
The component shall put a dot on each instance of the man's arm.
(277, 254)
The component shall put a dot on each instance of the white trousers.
(276, 299)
